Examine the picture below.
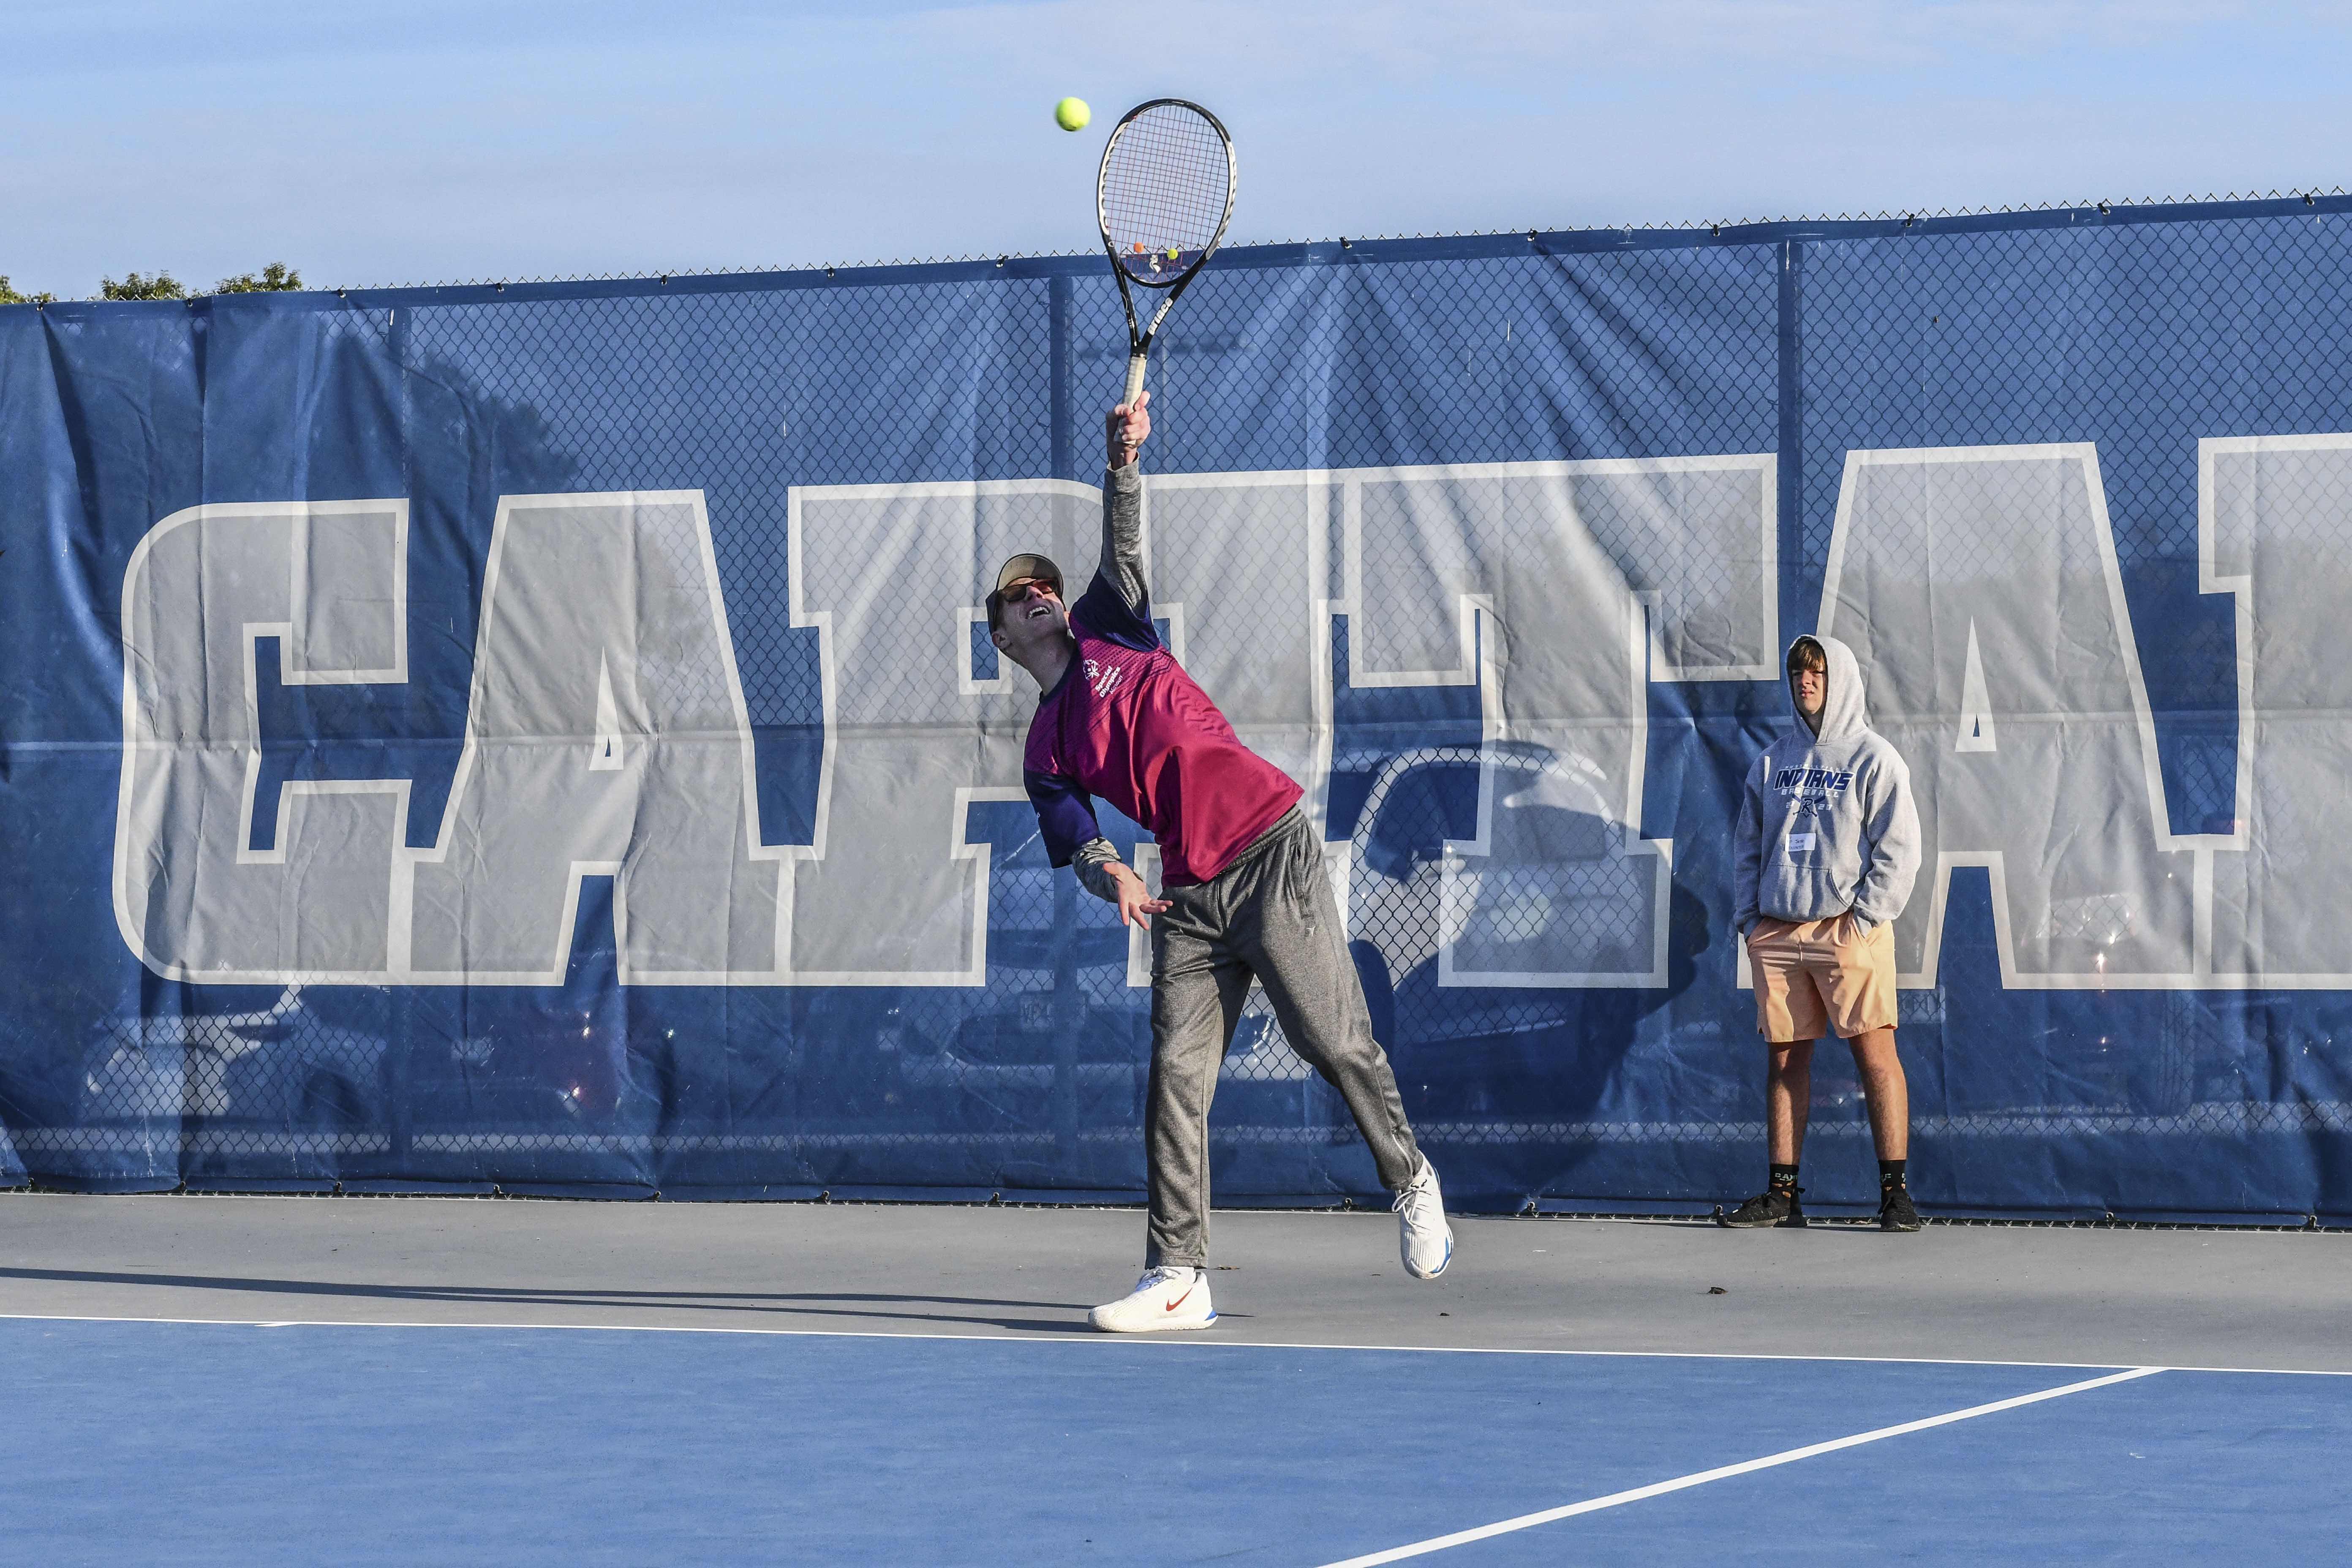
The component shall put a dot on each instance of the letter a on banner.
(605, 734)
(1951, 565)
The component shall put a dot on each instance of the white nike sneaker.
(1422, 1235)
(1162, 1301)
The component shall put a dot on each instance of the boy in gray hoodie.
(1823, 860)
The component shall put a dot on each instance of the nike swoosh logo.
(1180, 1300)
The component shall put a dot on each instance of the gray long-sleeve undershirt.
(1122, 568)
(1093, 863)
(1122, 532)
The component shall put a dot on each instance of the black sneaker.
(1778, 1206)
(1895, 1210)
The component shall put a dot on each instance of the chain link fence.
(1468, 847)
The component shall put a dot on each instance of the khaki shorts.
(1812, 976)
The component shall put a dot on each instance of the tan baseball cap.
(1017, 570)
(1025, 566)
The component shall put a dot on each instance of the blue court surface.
(142, 1441)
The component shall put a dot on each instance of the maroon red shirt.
(1127, 724)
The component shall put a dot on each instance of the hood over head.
(1843, 713)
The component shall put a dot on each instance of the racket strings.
(1165, 193)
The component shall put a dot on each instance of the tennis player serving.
(1244, 895)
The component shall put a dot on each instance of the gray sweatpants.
(1269, 915)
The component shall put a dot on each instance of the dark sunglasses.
(1014, 591)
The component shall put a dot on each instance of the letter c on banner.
(192, 897)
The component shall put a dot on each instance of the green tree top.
(274, 278)
(163, 286)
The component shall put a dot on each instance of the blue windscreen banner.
(545, 738)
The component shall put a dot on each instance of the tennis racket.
(1164, 195)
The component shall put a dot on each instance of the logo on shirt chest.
(1812, 786)
(1103, 677)
(1810, 792)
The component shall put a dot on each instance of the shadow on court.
(809, 1304)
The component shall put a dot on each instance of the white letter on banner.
(192, 897)
(1982, 583)
(2271, 531)
(894, 578)
(1540, 583)
(605, 734)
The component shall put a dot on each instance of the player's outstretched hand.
(1124, 430)
(1136, 904)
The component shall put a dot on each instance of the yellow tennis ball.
(1072, 114)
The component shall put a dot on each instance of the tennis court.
(231, 1380)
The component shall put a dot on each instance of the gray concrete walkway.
(2110, 1298)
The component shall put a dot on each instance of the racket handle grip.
(1135, 363)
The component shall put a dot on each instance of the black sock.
(1890, 1174)
(1784, 1178)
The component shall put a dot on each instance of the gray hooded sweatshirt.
(1826, 824)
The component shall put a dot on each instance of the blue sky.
(426, 141)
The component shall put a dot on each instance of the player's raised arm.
(1124, 430)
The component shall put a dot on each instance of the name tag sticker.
(1800, 841)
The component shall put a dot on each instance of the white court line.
(1788, 1457)
(1162, 1341)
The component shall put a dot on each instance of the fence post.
(1069, 1006)
(399, 1123)
(1790, 502)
